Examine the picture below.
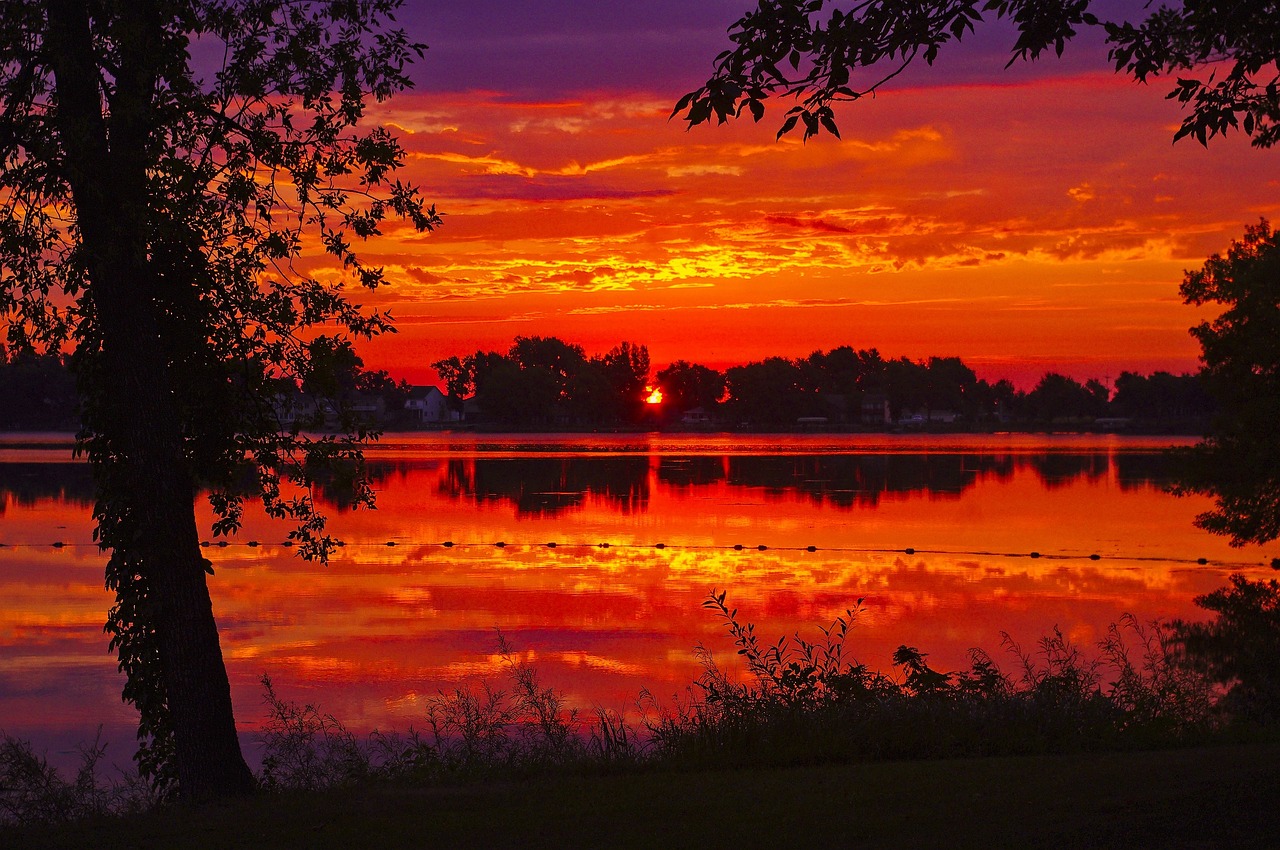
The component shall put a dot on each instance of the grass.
(1201, 797)
(1130, 748)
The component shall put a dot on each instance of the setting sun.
(524, 388)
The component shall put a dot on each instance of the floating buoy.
(339, 543)
(762, 547)
(222, 544)
(1275, 562)
(604, 545)
(252, 544)
(59, 545)
(391, 543)
(287, 544)
(551, 545)
(659, 545)
(1202, 561)
(1035, 554)
(500, 544)
(1095, 557)
(737, 547)
(204, 544)
(811, 548)
(909, 550)
(448, 544)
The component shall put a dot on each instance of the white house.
(428, 404)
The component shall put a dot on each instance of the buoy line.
(677, 547)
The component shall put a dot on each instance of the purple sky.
(544, 49)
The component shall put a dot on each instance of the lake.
(935, 533)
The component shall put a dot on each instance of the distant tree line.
(544, 383)
(37, 393)
(336, 385)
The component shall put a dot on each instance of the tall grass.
(33, 792)
(802, 701)
(811, 701)
(476, 730)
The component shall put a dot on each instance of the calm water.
(381, 629)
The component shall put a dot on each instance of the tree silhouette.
(150, 214)
(688, 385)
(1239, 463)
(821, 52)
(627, 368)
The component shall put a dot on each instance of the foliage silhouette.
(39, 393)
(542, 382)
(843, 385)
(33, 792)
(821, 52)
(1240, 649)
(150, 215)
(810, 701)
(1238, 464)
(686, 385)
(802, 702)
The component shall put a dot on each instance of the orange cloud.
(571, 212)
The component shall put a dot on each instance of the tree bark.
(105, 164)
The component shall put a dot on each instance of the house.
(370, 408)
(364, 408)
(474, 414)
(296, 410)
(429, 405)
(875, 410)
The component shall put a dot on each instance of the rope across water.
(677, 547)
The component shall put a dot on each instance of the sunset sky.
(1029, 220)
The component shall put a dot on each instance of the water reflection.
(547, 486)
(375, 633)
(846, 481)
(550, 486)
(23, 485)
(1061, 470)
(1138, 471)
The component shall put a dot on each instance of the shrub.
(33, 792)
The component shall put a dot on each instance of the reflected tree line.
(26, 484)
(548, 486)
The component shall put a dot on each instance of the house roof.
(424, 391)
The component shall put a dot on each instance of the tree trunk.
(150, 482)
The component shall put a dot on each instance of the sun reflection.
(375, 631)
(654, 395)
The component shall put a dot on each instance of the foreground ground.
(1211, 797)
